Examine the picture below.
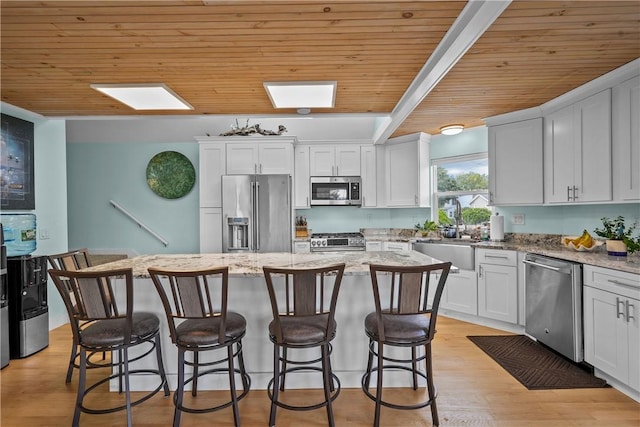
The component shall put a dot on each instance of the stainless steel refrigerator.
(256, 213)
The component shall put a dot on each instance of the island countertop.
(250, 264)
(248, 295)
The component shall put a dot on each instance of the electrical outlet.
(44, 234)
(517, 219)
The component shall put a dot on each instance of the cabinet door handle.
(415, 198)
(337, 173)
(618, 282)
(496, 256)
(307, 201)
(575, 189)
(618, 312)
(480, 271)
(568, 193)
(627, 305)
(260, 167)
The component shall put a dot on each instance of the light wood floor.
(473, 391)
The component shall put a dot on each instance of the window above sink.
(461, 192)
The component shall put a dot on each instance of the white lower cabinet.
(461, 292)
(373, 246)
(210, 230)
(301, 247)
(611, 323)
(396, 246)
(497, 284)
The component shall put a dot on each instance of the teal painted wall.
(98, 173)
(471, 141)
(323, 219)
(567, 220)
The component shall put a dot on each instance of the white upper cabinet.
(626, 140)
(334, 160)
(369, 177)
(577, 151)
(407, 171)
(515, 152)
(301, 177)
(259, 158)
(212, 161)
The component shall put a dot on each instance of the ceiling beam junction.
(476, 17)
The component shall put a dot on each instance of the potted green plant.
(619, 238)
(429, 227)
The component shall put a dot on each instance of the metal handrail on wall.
(140, 223)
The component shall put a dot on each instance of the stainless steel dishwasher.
(553, 301)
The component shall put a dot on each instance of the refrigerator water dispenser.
(238, 233)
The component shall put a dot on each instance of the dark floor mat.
(534, 365)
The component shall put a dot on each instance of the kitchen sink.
(459, 252)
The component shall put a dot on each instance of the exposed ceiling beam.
(473, 21)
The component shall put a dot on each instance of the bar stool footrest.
(245, 391)
(365, 379)
(324, 403)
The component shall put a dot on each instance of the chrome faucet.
(458, 216)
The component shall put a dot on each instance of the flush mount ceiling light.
(145, 96)
(451, 129)
(302, 95)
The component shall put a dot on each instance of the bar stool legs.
(330, 382)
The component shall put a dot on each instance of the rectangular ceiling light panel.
(302, 94)
(149, 96)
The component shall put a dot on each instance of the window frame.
(435, 194)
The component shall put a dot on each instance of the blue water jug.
(19, 233)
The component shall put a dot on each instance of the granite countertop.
(598, 258)
(250, 264)
(542, 244)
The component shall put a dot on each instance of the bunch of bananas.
(585, 240)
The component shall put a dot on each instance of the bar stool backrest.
(193, 295)
(72, 260)
(303, 292)
(89, 296)
(405, 290)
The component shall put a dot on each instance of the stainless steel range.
(337, 242)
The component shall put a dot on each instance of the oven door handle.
(548, 267)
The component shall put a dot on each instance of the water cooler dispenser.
(28, 308)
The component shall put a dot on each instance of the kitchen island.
(248, 296)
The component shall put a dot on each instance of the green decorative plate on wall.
(170, 174)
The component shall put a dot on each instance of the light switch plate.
(517, 219)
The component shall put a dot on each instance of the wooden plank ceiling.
(217, 54)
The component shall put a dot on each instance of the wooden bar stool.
(403, 319)
(303, 302)
(196, 306)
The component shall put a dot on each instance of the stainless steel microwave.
(336, 190)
